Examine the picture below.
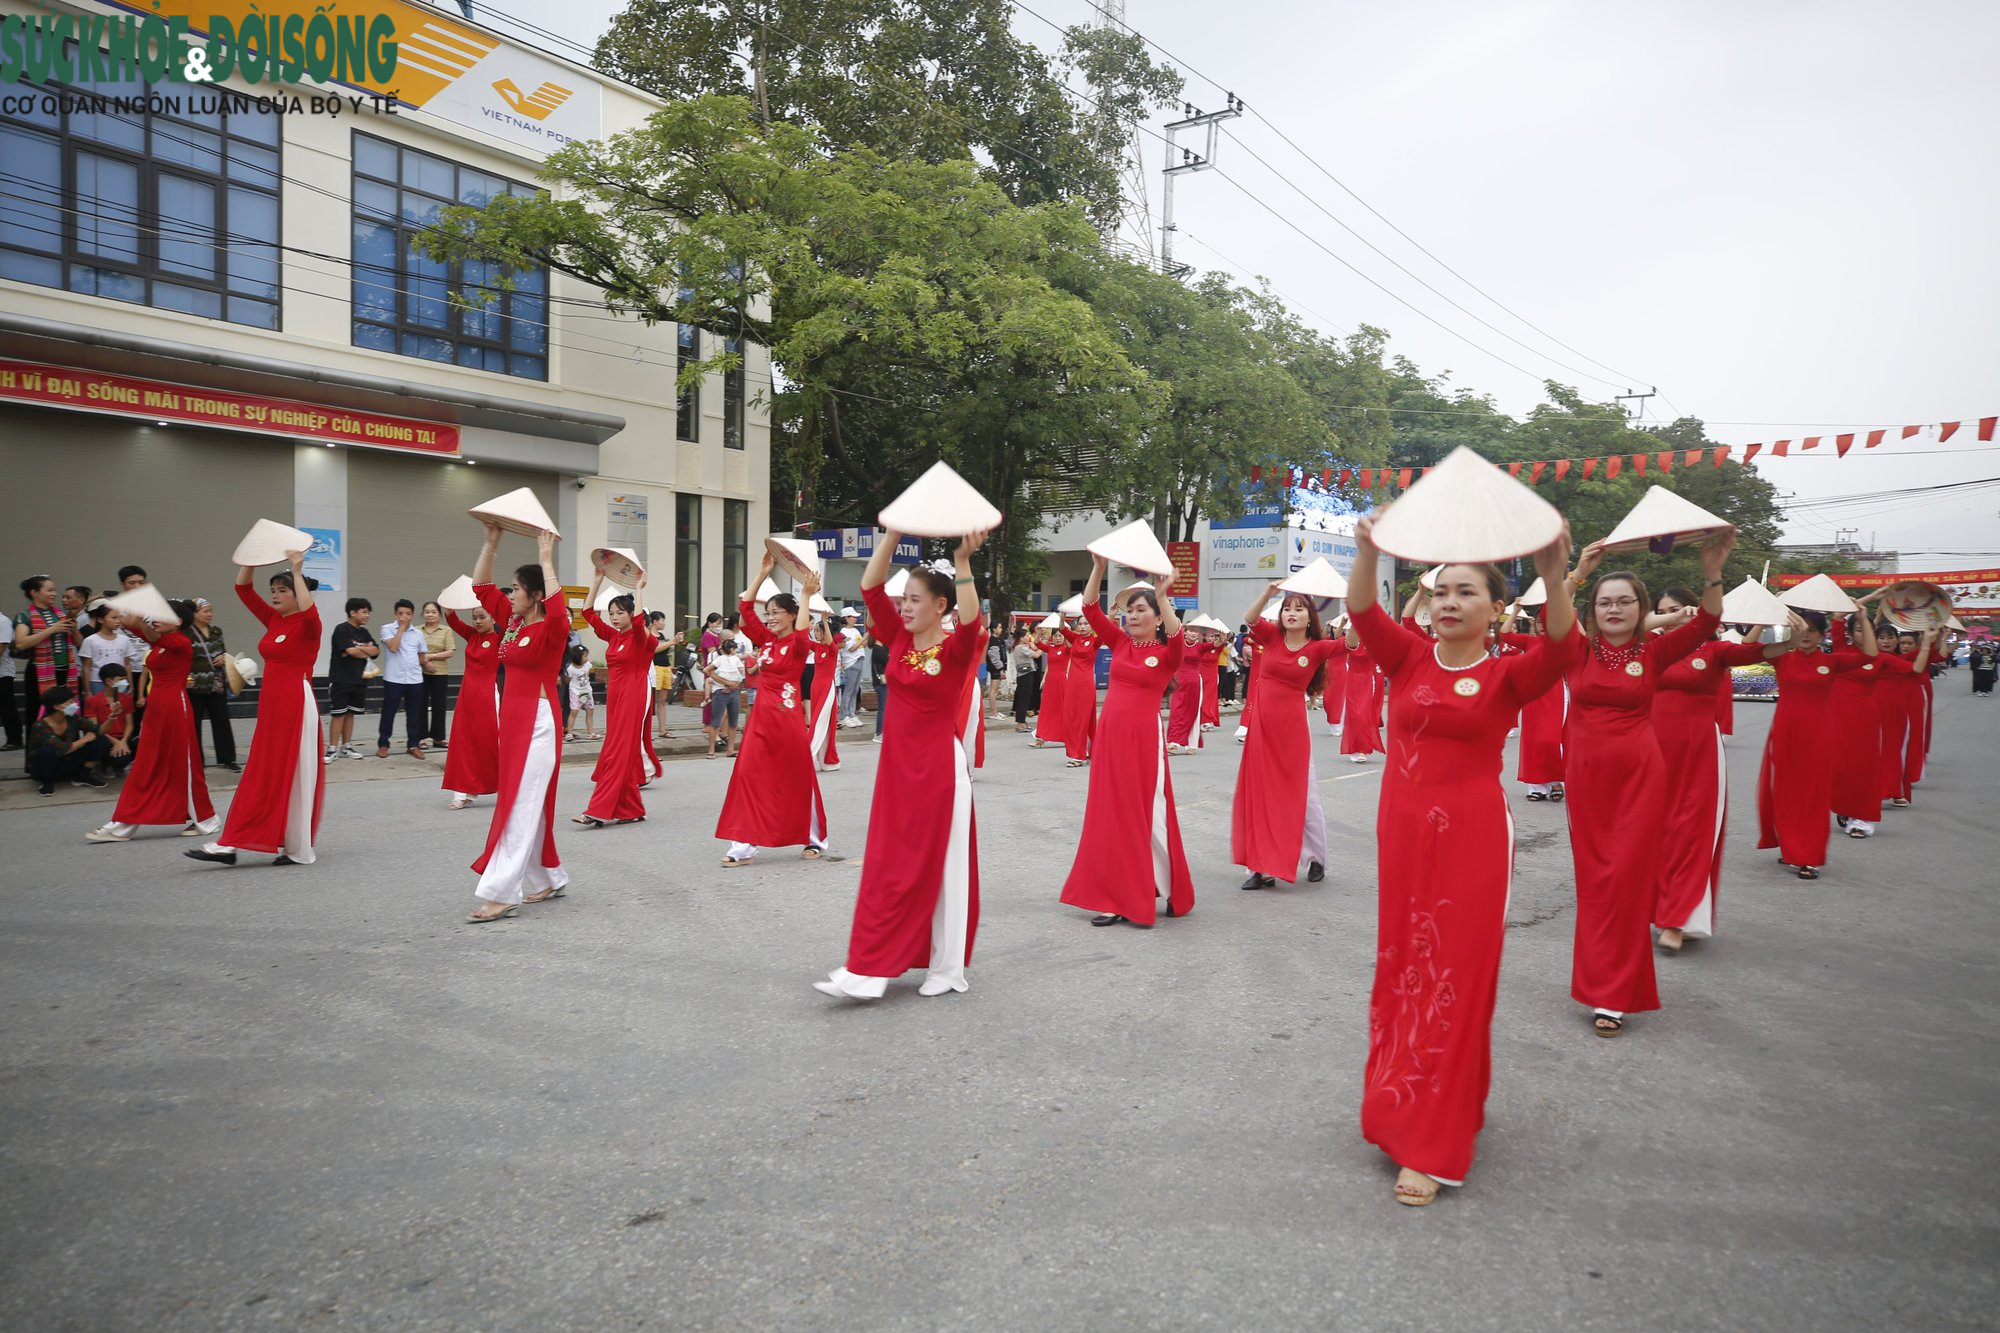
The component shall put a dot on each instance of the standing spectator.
(664, 670)
(878, 668)
(402, 681)
(208, 685)
(724, 670)
(63, 746)
(109, 646)
(45, 638)
(347, 677)
(853, 660)
(130, 577)
(10, 702)
(996, 671)
(439, 646)
(76, 600)
(582, 698)
(1027, 664)
(111, 710)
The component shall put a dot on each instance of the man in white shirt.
(402, 680)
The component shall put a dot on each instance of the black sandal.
(1556, 795)
(1599, 1021)
(1315, 873)
(1106, 919)
(1257, 881)
(1808, 872)
(1537, 796)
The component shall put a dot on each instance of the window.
(402, 298)
(177, 210)
(687, 559)
(687, 407)
(732, 399)
(735, 546)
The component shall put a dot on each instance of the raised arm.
(482, 568)
(764, 568)
(1256, 611)
(968, 589)
(876, 572)
(1550, 561)
(545, 548)
(1714, 556)
(301, 589)
(1169, 621)
(1095, 583)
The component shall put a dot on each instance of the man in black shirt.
(347, 691)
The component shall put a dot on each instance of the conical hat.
(1050, 621)
(1135, 547)
(1428, 580)
(1466, 509)
(1536, 595)
(1818, 593)
(1660, 519)
(1751, 603)
(249, 668)
(618, 565)
(795, 556)
(766, 591)
(1730, 636)
(1916, 606)
(1071, 606)
(146, 603)
(459, 596)
(1270, 611)
(818, 605)
(1319, 579)
(896, 583)
(604, 596)
(1125, 594)
(516, 511)
(939, 504)
(267, 541)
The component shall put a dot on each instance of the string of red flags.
(1610, 466)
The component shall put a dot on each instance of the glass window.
(687, 559)
(687, 407)
(403, 300)
(735, 546)
(732, 400)
(132, 206)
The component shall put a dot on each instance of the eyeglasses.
(1620, 604)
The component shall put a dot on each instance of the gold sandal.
(1414, 1196)
(480, 919)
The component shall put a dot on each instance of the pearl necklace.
(1616, 659)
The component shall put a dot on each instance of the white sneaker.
(354, 752)
(878, 738)
(106, 835)
(1357, 759)
(334, 752)
(1336, 728)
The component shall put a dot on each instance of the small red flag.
(1812, 442)
(1666, 461)
(1692, 457)
(1986, 425)
(1403, 478)
(1875, 437)
(1256, 474)
(1514, 470)
(1721, 452)
(1639, 462)
(1368, 479)
(1945, 432)
(1346, 475)
(1535, 477)
(1589, 466)
(1750, 451)
(1612, 464)
(1783, 448)
(1325, 479)
(1842, 443)
(1562, 469)
(1908, 431)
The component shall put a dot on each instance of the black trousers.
(214, 707)
(10, 716)
(52, 764)
(1027, 696)
(436, 688)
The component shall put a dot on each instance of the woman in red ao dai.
(1616, 779)
(520, 863)
(1079, 693)
(1445, 857)
(918, 904)
(773, 798)
(622, 763)
(472, 763)
(1795, 783)
(165, 785)
(1130, 853)
(1276, 823)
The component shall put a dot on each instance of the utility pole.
(1189, 161)
(1639, 398)
(1132, 229)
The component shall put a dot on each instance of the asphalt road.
(312, 1098)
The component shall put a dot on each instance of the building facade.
(212, 310)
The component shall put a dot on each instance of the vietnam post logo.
(538, 104)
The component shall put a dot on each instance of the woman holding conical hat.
(1899, 693)
(1184, 709)
(1129, 854)
(1079, 692)
(1795, 782)
(1857, 758)
(1276, 825)
(1361, 710)
(165, 783)
(1697, 782)
(774, 798)
(623, 763)
(1209, 667)
(1333, 687)
(1055, 685)
(918, 904)
(1445, 851)
(1539, 762)
(276, 807)
(520, 863)
(822, 681)
(472, 763)
(1615, 778)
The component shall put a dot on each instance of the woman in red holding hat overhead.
(1079, 693)
(1361, 722)
(1899, 693)
(1445, 857)
(918, 904)
(623, 764)
(1276, 824)
(1795, 783)
(1184, 710)
(520, 863)
(165, 784)
(1540, 761)
(1055, 684)
(276, 807)
(472, 762)
(1617, 780)
(1857, 757)
(1130, 852)
(773, 798)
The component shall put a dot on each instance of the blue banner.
(322, 562)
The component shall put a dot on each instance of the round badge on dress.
(1635, 669)
(933, 667)
(485, 644)
(522, 642)
(279, 639)
(1699, 664)
(1152, 661)
(1304, 660)
(1465, 687)
(1825, 671)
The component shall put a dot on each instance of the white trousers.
(1312, 842)
(515, 869)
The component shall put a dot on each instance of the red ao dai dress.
(825, 659)
(773, 798)
(1190, 701)
(165, 784)
(1899, 694)
(918, 904)
(1795, 783)
(1276, 823)
(472, 764)
(628, 709)
(1616, 787)
(1361, 731)
(1055, 682)
(1079, 693)
(1445, 860)
(1130, 850)
(520, 855)
(1333, 689)
(1210, 665)
(1857, 760)
(277, 805)
(1684, 720)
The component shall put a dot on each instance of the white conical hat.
(1751, 603)
(1071, 606)
(1660, 519)
(1135, 547)
(267, 541)
(147, 604)
(604, 596)
(766, 591)
(1428, 580)
(1270, 611)
(818, 605)
(249, 667)
(795, 556)
(1916, 606)
(619, 565)
(939, 504)
(1207, 621)
(459, 596)
(1818, 593)
(516, 511)
(1052, 620)
(1125, 594)
(1730, 635)
(1536, 595)
(1319, 579)
(1466, 509)
(896, 583)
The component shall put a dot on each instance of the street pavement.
(312, 1097)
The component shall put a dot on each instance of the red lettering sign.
(1187, 569)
